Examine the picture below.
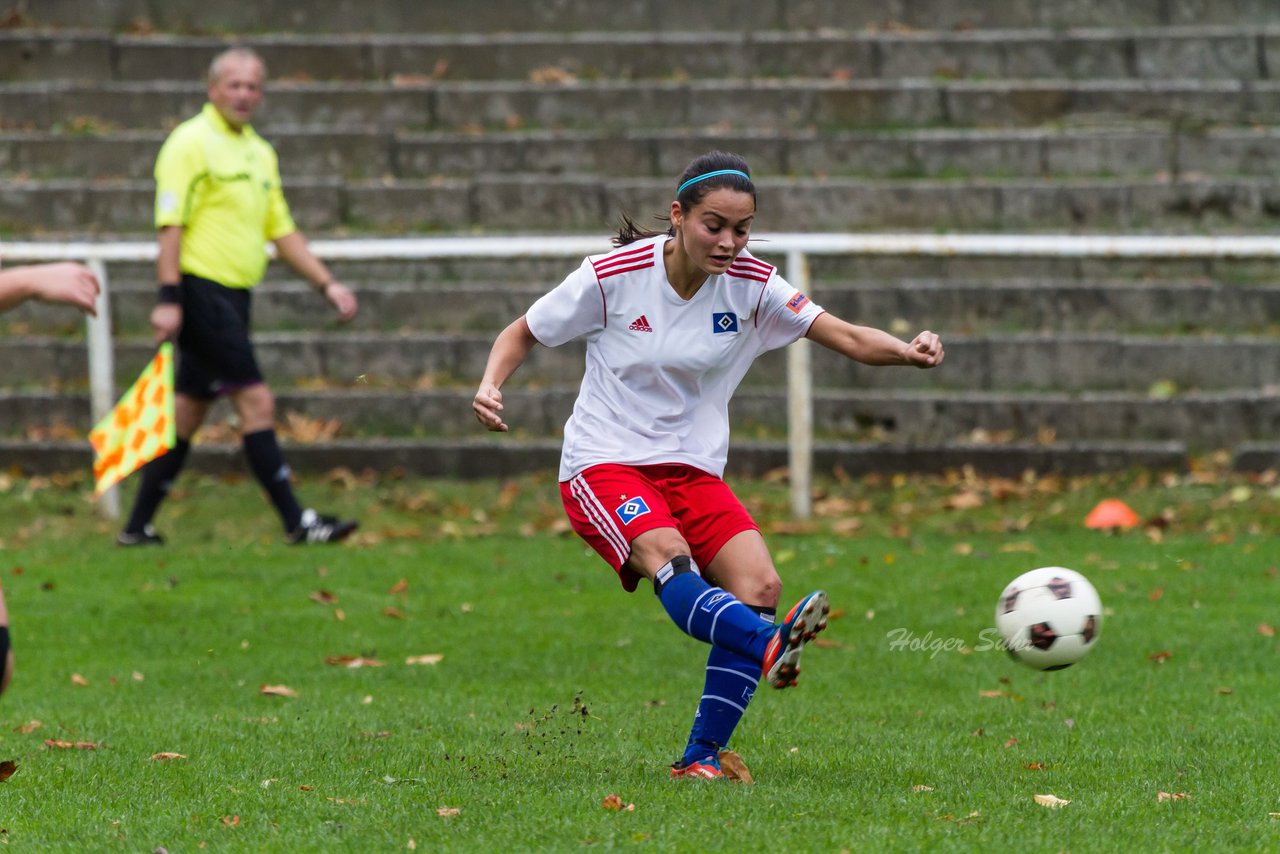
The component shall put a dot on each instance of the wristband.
(168, 295)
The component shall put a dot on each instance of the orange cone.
(1111, 513)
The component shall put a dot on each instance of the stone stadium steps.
(707, 17)
(958, 306)
(728, 104)
(1022, 361)
(504, 456)
(915, 153)
(548, 116)
(557, 204)
(1156, 53)
(1204, 421)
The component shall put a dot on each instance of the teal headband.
(737, 172)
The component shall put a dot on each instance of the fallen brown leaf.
(734, 768)
(231, 821)
(1051, 801)
(308, 431)
(399, 587)
(393, 613)
(7, 767)
(1266, 630)
(29, 727)
(447, 812)
(430, 658)
(165, 756)
(350, 661)
(277, 691)
(1160, 657)
(614, 803)
(322, 597)
(1171, 796)
(1028, 548)
(77, 679)
(966, 500)
(921, 787)
(71, 745)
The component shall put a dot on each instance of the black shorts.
(215, 355)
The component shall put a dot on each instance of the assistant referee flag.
(140, 427)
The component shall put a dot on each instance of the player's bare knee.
(766, 593)
(654, 549)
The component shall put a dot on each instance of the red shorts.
(610, 505)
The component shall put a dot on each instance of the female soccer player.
(672, 321)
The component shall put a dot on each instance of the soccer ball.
(1049, 617)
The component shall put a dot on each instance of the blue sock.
(730, 685)
(708, 613)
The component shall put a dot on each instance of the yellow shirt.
(223, 188)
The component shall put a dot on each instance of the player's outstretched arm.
(294, 251)
(65, 282)
(509, 351)
(873, 346)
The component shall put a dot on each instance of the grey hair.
(238, 52)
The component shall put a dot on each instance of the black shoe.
(315, 528)
(146, 537)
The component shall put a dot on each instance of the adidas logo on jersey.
(640, 324)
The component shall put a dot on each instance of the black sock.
(157, 479)
(272, 472)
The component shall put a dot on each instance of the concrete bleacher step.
(1204, 421)
(699, 104)
(899, 154)
(506, 456)
(558, 204)
(1227, 52)
(1014, 361)
(709, 16)
(827, 271)
(949, 306)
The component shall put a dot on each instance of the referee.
(218, 200)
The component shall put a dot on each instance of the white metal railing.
(796, 247)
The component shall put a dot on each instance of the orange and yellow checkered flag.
(139, 428)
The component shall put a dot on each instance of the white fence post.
(102, 394)
(800, 402)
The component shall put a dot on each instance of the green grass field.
(555, 689)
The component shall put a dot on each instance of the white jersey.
(660, 369)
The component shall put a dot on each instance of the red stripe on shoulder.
(751, 268)
(624, 260)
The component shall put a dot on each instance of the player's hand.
(342, 300)
(66, 282)
(486, 405)
(925, 350)
(166, 321)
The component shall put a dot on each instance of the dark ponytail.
(730, 172)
